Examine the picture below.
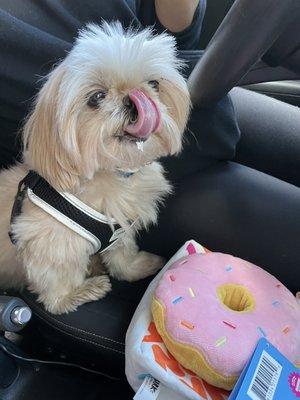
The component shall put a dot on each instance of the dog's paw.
(148, 264)
(145, 264)
(92, 289)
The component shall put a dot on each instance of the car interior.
(80, 355)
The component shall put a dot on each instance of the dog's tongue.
(148, 119)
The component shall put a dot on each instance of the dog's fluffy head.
(81, 116)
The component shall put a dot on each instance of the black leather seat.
(94, 335)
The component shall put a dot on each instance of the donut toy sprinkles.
(211, 309)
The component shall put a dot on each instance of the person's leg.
(234, 209)
(211, 136)
(270, 134)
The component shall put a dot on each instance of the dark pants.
(230, 207)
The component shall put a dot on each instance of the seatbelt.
(66, 208)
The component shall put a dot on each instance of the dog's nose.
(131, 109)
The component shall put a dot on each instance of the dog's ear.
(177, 100)
(44, 149)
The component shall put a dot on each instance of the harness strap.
(69, 210)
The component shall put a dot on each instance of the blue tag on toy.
(267, 376)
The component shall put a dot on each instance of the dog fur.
(78, 150)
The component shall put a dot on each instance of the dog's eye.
(95, 99)
(154, 84)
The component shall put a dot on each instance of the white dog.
(113, 106)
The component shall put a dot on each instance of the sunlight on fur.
(116, 102)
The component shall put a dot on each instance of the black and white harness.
(99, 230)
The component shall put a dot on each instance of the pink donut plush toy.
(211, 309)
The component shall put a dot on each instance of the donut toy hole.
(236, 298)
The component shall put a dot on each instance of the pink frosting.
(195, 315)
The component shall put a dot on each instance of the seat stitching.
(82, 339)
(93, 343)
(88, 333)
(77, 329)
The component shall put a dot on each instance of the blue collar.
(126, 174)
